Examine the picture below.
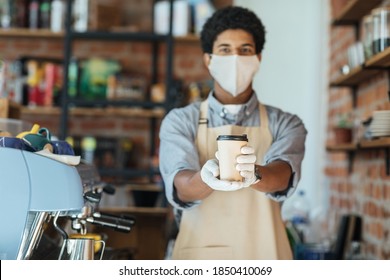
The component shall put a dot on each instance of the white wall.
(293, 76)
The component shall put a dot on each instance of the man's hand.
(209, 174)
(246, 165)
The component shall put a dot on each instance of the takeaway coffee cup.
(229, 147)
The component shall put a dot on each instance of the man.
(221, 219)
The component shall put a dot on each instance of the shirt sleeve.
(178, 149)
(289, 136)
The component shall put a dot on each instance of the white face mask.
(234, 73)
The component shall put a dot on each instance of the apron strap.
(202, 136)
(263, 116)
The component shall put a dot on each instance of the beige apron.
(242, 224)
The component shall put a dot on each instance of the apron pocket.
(206, 253)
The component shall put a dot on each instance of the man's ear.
(259, 56)
(206, 59)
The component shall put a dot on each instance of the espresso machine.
(33, 190)
(36, 191)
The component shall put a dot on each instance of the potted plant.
(343, 129)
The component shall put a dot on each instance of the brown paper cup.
(229, 147)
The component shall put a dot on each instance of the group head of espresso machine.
(35, 191)
(93, 189)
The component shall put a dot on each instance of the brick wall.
(365, 189)
(135, 57)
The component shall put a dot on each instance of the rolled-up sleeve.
(178, 150)
(289, 136)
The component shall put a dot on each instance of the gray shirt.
(178, 150)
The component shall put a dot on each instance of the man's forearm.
(190, 187)
(275, 177)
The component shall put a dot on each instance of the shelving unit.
(374, 144)
(380, 143)
(9, 109)
(354, 11)
(96, 112)
(137, 210)
(356, 76)
(382, 60)
(47, 34)
(113, 108)
(148, 230)
(342, 147)
(351, 15)
(376, 64)
(150, 221)
(30, 33)
(147, 107)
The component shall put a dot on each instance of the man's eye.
(225, 50)
(246, 51)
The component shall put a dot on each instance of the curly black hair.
(232, 17)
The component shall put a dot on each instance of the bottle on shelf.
(21, 13)
(80, 13)
(33, 78)
(44, 12)
(33, 20)
(57, 16)
(5, 15)
(73, 73)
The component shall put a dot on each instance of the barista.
(221, 219)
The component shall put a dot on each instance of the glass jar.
(381, 29)
(367, 36)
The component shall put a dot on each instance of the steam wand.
(60, 230)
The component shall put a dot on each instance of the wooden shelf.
(136, 210)
(355, 77)
(380, 143)
(97, 112)
(40, 110)
(342, 147)
(383, 142)
(118, 112)
(381, 59)
(9, 109)
(118, 36)
(35, 33)
(371, 67)
(143, 187)
(190, 38)
(354, 11)
(148, 237)
(46, 33)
